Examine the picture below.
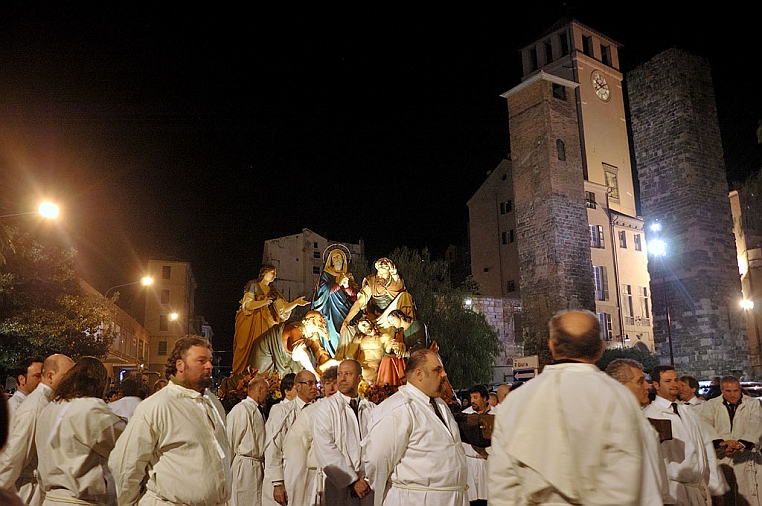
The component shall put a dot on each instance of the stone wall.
(679, 159)
(551, 218)
(503, 315)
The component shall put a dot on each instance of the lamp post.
(658, 248)
(145, 281)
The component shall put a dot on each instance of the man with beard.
(413, 453)
(573, 434)
(476, 457)
(175, 450)
(340, 425)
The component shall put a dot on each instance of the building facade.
(170, 310)
(556, 223)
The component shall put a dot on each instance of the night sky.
(165, 130)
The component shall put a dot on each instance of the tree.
(647, 360)
(43, 307)
(467, 343)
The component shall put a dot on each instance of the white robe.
(411, 457)
(689, 456)
(573, 435)
(125, 406)
(337, 435)
(282, 417)
(14, 402)
(18, 460)
(477, 466)
(74, 439)
(246, 433)
(302, 475)
(747, 426)
(175, 444)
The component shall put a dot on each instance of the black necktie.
(436, 410)
(674, 408)
(353, 405)
(262, 410)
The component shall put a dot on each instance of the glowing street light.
(747, 304)
(47, 210)
(173, 316)
(657, 247)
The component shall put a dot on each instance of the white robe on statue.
(246, 433)
(477, 466)
(18, 460)
(743, 468)
(689, 456)
(74, 439)
(282, 417)
(174, 450)
(411, 457)
(573, 435)
(337, 435)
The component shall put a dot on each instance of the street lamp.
(658, 248)
(47, 210)
(145, 281)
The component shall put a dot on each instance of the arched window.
(561, 148)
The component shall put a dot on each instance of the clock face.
(600, 86)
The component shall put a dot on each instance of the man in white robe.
(246, 433)
(413, 453)
(175, 450)
(476, 458)
(125, 405)
(687, 390)
(630, 373)
(28, 375)
(302, 475)
(18, 461)
(689, 456)
(277, 428)
(572, 435)
(340, 424)
(737, 440)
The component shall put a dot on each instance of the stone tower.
(678, 152)
(551, 219)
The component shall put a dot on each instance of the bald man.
(572, 435)
(18, 461)
(246, 433)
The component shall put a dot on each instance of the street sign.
(525, 368)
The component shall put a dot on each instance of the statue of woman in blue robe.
(336, 293)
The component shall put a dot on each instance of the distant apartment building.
(299, 259)
(170, 311)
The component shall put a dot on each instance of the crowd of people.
(573, 435)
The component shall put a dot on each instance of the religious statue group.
(374, 323)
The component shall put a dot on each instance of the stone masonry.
(551, 219)
(679, 159)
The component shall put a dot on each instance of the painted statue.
(381, 293)
(335, 294)
(291, 347)
(262, 307)
(411, 332)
